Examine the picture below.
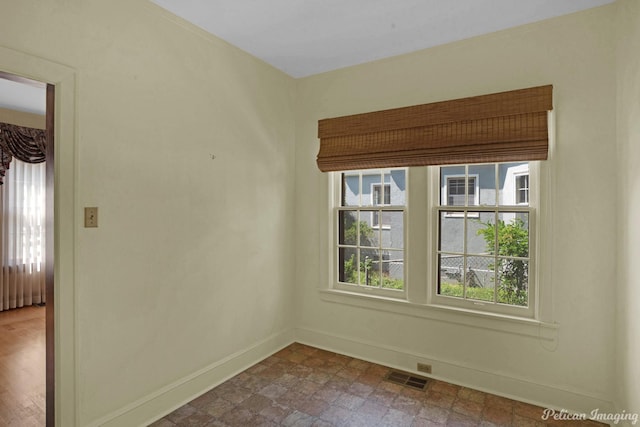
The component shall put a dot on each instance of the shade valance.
(24, 143)
(506, 126)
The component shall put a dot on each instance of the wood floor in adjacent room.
(22, 367)
(303, 386)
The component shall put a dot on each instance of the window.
(455, 192)
(478, 228)
(371, 255)
(473, 226)
(522, 189)
(483, 254)
(381, 195)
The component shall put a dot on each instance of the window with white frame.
(482, 240)
(371, 256)
(522, 189)
(456, 194)
(381, 196)
(458, 189)
(484, 260)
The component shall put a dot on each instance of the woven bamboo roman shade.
(501, 127)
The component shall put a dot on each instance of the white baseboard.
(154, 406)
(521, 389)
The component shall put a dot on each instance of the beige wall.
(191, 264)
(628, 315)
(576, 54)
(147, 99)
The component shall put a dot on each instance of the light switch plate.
(90, 217)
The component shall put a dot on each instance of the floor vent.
(410, 380)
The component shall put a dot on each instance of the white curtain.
(22, 211)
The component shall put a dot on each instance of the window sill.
(543, 331)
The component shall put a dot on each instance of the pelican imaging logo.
(595, 415)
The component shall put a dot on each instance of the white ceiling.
(22, 96)
(305, 37)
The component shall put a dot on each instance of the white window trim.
(416, 299)
(533, 328)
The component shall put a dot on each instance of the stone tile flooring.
(305, 386)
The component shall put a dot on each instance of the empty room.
(294, 203)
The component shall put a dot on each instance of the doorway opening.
(27, 126)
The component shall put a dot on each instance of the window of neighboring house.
(483, 261)
(370, 255)
(522, 189)
(455, 193)
(381, 196)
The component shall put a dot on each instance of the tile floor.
(305, 386)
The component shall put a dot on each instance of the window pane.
(392, 270)
(397, 187)
(451, 176)
(471, 191)
(348, 227)
(451, 232)
(392, 233)
(369, 227)
(485, 185)
(507, 181)
(348, 268)
(480, 278)
(370, 267)
(350, 189)
(513, 282)
(372, 188)
(480, 238)
(450, 275)
(513, 234)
